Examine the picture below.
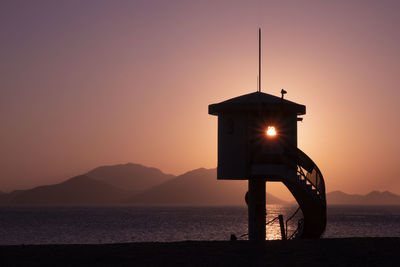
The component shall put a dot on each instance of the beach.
(321, 252)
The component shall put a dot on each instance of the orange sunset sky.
(90, 83)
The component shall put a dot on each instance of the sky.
(90, 83)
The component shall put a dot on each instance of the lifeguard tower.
(257, 141)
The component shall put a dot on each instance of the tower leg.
(256, 209)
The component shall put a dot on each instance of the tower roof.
(254, 102)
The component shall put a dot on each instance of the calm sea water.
(50, 225)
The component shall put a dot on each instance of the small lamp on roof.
(283, 92)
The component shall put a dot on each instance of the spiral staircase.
(308, 188)
(305, 181)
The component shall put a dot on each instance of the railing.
(286, 225)
(298, 230)
(309, 171)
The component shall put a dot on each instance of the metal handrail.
(299, 224)
(304, 163)
(291, 217)
(313, 175)
(309, 171)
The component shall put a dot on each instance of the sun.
(270, 131)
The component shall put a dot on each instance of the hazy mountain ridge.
(130, 176)
(372, 198)
(140, 185)
(79, 190)
(197, 187)
(105, 185)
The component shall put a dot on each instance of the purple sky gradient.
(87, 83)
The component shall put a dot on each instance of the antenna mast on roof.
(259, 59)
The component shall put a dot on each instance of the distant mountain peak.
(198, 171)
(78, 190)
(374, 197)
(198, 187)
(129, 176)
(129, 165)
(374, 192)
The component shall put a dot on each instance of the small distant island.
(372, 198)
(135, 184)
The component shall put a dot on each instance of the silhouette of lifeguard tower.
(257, 141)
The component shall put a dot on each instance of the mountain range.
(194, 186)
(132, 177)
(372, 198)
(79, 190)
(135, 184)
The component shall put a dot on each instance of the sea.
(120, 224)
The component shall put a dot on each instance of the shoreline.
(370, 251)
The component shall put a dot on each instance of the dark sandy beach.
(324, 252)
